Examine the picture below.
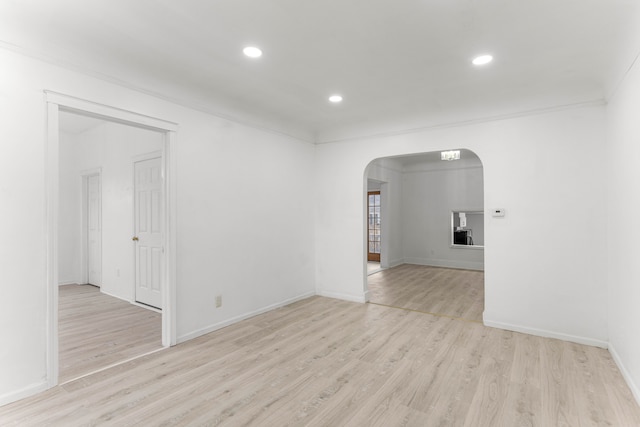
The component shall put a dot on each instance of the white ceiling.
(399, 64)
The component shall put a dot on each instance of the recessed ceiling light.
(482, 59)
(252, 52)
(335, 98)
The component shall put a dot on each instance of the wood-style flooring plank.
(443, 291)
(324, 362)
(96, 330)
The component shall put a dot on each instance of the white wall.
(252, 244)
(69, 222)
(111, 147)
(623, 114)
(540, 277)
(430, 193)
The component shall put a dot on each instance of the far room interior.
(110, 196)
(423, 265)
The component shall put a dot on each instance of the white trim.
(544, 333)
(84, 234)
(470, 122)
(345, 297)
(54, 102)
(132, 302)
(51, 177)
(30, 390)
(112, 295)
(146, 156)
(395, 263)
(84, 270)
(92, 171)
(616, 87)
(446, 263)
(476, 247)
(385, 226)
(369, 273)
(84, 107)
(625, 373)
(71, 282)
(236, 319)
(177, 100)
(169, 313)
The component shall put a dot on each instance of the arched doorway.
(427, 205)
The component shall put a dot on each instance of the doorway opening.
(373, 231)
(90, 217)
(91, 226)
(422, 268)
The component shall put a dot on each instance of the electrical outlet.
(218, 301)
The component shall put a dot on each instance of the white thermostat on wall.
(497, 213)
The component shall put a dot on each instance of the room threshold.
(112, 365)
(427, 312)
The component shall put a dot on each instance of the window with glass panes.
(373, 226)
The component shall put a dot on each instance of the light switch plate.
(498, 213)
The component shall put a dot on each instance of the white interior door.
(148, 231)
(94, 231)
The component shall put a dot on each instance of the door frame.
(84, 233)
(369, 253)
(54, 102)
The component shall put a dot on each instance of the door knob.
(134, 238)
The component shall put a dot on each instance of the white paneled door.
(148, 236)
(94, 230)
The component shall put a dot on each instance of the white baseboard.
(220, 325)
(367, 296)
(24, 392)
(132, 301)
(545, 333)
(345, 297)
(395, 263)
(369, 273)
(115, 296)
(71, 282)
(625, 373)
(446, 263)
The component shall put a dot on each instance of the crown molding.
(470, 122)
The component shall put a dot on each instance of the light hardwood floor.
(96, 330)
(373, 267)
(324, 362)
(443, 291)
